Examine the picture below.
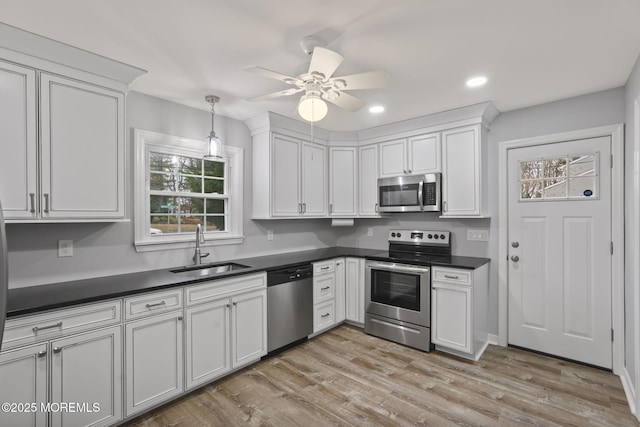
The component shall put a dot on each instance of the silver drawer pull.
(156, 304)
(450, 277)
(325, 315)
(42, 353)
(36, 329)
(32, 197)
(57, 349)
(325, 288)
(46, 203)
(325, 268)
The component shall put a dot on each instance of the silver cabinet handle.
(42, 353)
(409, 170)
(404, 171)
(325, 268)
(325, 315)
(299, 208)
(444, 205)
(57, 349)
(46, 202)
(376, 207)
(450, 276)
(32, 198)
(304, 208)
(228, 305)
(325, 288)
(179, 317)
(330, 207)
(234, 303)
(158, 304)
(515, 244)
(515, 258)
(36, 329)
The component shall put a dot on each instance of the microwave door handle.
(420, 191)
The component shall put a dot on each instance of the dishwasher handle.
(289, 274)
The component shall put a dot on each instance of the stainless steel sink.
(209, 269)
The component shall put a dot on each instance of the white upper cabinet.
(18, 130)
(463, 174)
(411, 156)
(62, 131)
(82, 167)
(293, 174)
(343, 184)
(368, 180)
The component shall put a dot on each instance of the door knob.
(515, 244)
(515, 258)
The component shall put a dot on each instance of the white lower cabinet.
(154, 365)
(458, 310)
(354, 290)
(324, 294)
(226, 327)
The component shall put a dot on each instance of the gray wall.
(105, 249)
(631, 244)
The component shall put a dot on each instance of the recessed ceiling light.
(476, 81)
(376, 109)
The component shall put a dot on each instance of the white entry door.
(560, 249)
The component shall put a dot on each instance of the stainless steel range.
(398, 287)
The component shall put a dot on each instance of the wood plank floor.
(347, 378)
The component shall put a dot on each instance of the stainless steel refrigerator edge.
(4, 275)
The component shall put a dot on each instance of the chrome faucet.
(197, 256)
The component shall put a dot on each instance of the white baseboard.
(492, 339)
(629, 391)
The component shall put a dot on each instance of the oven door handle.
(396, 267)
(420, 190)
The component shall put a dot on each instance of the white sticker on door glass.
(560, 178)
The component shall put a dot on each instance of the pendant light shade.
(312, 108)
(212, 144)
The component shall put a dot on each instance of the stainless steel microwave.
(412, 193)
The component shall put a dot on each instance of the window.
(176, 190)
(562, 178)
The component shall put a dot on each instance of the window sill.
(182, 243)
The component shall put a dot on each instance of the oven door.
(398, 291)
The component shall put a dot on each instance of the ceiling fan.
(319, 85)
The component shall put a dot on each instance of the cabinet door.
(342, 181)
(340, 289)
(23, 375)
(424, 154)
(314, 179)
(249, 327)
(354, 290)
(87, 369)
(82, 150)
(18, 132)
(286, 176)
(368, 181)
(451, 316)
(208, 342)
(154, 366)
(461, 171)
(393, 158)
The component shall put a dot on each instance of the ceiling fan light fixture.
(312, 108)
(212, 144)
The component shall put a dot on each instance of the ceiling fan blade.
(370, 80)
(324, 61)
(346, 101)
(285, 92)
(271, 74)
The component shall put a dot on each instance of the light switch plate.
(65, 248)
(478, 235)
(370, 231)
(269, 234)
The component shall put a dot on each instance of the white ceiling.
(532, 51)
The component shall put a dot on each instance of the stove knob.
(435, 236)
(393, 234)
(430, 236)
(399, 235)
(442, 236)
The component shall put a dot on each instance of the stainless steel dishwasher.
(289, 306)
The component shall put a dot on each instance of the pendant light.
(213, 144)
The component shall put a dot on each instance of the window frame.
(146, 142)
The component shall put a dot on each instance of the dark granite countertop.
(45, 297)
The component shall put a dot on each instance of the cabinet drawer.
(324, 267)
(450, 275)
(57, 323)
(324, 288)
(153, 303)
(324, 315)
(216, 289)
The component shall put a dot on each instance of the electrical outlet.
(269, 234)
(370, 231)
(478, 235)
(65, 248)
